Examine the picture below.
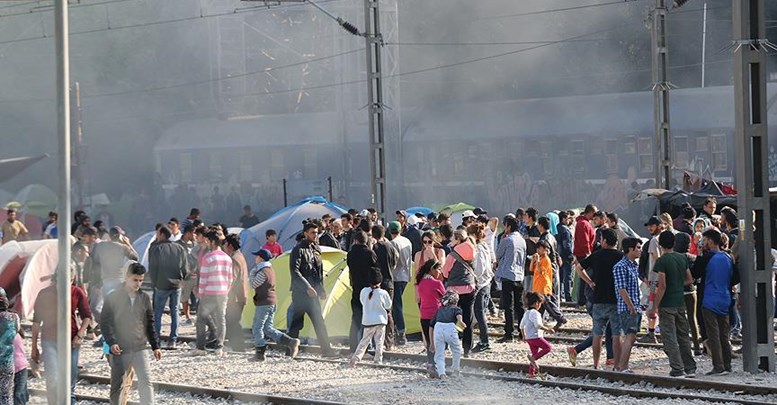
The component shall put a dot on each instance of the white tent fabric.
(36, 275)
(288, 223)
(141, 245)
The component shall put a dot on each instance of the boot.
(259, 354)
(650, 337)
(401, 338)
(292, 345)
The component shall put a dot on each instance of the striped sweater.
(215, 274)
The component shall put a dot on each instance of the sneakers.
(187, 322)
(294, 347)
(690, 374)
(572, 353)
(714, 372)
(505, 339)
(559, 324)
(650, 337)
(198, 352)
(481, 347)
(674, 373)
(171, 345)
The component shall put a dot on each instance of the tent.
(455, 211)
(37, 275)
(337, 306)
(141, 246)
(288, 223)
(422, 210)
(37, 199)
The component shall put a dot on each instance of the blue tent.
(422, 210)
(287, 222)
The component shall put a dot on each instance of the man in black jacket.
(361, 259)
(307, 287)
(167, 263)
(128, 328)
(388, 257)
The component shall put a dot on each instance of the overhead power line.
(559, 10)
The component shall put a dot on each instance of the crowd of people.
(682, 280)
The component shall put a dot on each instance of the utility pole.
(374, 42)
(62, 49)
(752, 177)
(662, 143)
(78, 164)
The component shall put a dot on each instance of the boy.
(543, 282)
(272, 243)
(128, 328)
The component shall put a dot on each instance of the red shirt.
(274, 248)
(585, 236)
(46, 311)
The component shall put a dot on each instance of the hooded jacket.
(584, 237)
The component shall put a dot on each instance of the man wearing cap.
(413, 234)
(13, 229)
(401, 276)
(467, 217)
(649, 278)
(168, 266)
(44, 326)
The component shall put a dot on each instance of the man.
(511, 259)
(249, 219)
(565, 244)
(327, 238)
(520, 216)
(175, 229)
(614, 224)
(346, 220)
(238, 293)
(684, 222)
(44, 325)
(85, 223)
(584, 233)
(446, 234)
(168, 266)
(673, 276)
(708, 210)
(307, 287)
(401, 276)
(626, 276)
(467, 217)
(600, 224)
(49, 228)
(373, 215)
(531, 223)
(215, 280)
(730, 226)
(388, 257)
(413, 234)
(13, 229)
(716, 302)
(401, 217)
(194, 215)
(128, 326)
(361, 259)
(188, 242)
(604, 310)
(649, 277)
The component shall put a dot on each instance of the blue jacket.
(565, 244)
(717, 284)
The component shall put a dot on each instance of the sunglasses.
(427, 242)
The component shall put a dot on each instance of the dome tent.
(287, 222)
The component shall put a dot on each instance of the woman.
(9, 327)
(699, 226)
(431, 250)
(484, 272)
(429, 291)
(459, 273)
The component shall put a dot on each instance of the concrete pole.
(375, 107)
(662, 145)
(63, 223)
(752, 175)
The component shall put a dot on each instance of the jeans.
(234, 331)
(376, 333)
(212, 308)
(355, 334)
(161, 297)
(511, 303)
(20, 393)
(677, 344)
(690, 307)
(588, 342)
(138, 360)
(553, 309)
(446, 333)
(263, 326)
(733, 316)
(397, 307)
(311, 306)
(566, 281)
(718, 341)
(467, 305)
(481, 303)
(49, 356)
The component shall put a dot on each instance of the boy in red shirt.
(272, 243)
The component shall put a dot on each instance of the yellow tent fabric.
(337, 306)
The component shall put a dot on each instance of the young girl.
(532, 328)
(699, 226)
(429, 291)
(376, 303)
(543, 281)
(444, 331)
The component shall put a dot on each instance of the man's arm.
(148, 314)
(625, 296)
(660, 290)
(295, 265)
(35, 354)
(584, 276)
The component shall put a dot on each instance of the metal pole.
(375, 107)
(63, 223)
(77, 147)
(662, 145)
(285, 194)
(752, 175)
(329, 186)
(704, 48)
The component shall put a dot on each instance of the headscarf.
(704, 221)
(553, 217)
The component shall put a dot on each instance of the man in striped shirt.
(215, 279)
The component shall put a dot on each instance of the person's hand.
(35, 355)
(632, 310)
(158, 354)
(592, 285)
(116, 350)
(311, 292)
(76, 341)
(322, 296)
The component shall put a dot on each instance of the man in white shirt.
(401, 276)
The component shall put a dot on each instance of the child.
(272, 243)
(444, 332)
(20, 394)
(376, 303)
(531, 328)
(543, 282)
(262, 279)
(429, 291)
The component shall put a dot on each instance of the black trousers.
(356, 324)
(467, 305)
(512, 303)
(425, 325)
(312, 307)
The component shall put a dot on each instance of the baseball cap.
(364, 213)
(394, 226)
(654, 220)
(264, 254)
(413, 220)
(479, 211)
(468, 214)
(116, 230)
(401, 212)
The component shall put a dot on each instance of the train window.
(719, 153)
(246, 167)
(612, 164)
(185, 165)
(645, 154)
(215, 165)
(596, 145)
(611, 146)
(629, 145)
(702, 143)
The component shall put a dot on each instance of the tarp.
(37, 275)
(288, 223)
(11, 167)
(337, 306)
(141, 245)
